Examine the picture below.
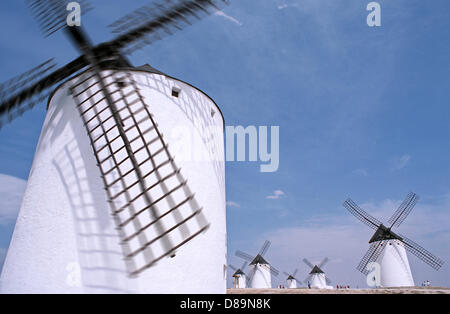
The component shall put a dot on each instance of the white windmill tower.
(239, 276)
(105, 185)
(291, 281)
(317, 278)
(260, 269)
(388, 249)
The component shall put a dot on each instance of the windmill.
(316, 278)
(291, 280)
(240, 277)
(105, 186)
(260, 269)
(388, 248)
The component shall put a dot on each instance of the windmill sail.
(323, 262)
(307, 262)
(429, 258)
(244, 255)
(264, 248)
(359, 213)
(371, 255)
(12, 95)
(33, 87)
(404, 209)
(151, 23)
(52, 14)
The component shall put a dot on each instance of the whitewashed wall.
(394, 266)
(262, 278)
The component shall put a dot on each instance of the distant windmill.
(388, 248)
(106, 201)
(316, 277)
(240, 277)
(260, 269)
(291, 281)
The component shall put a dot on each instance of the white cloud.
(276, 195)
(228, 17)
(402, 162)
(344, 240)
(233, 204)
(11, 194)
(284, 5)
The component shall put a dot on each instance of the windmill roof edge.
(144, 68)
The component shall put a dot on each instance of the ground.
(406, 290)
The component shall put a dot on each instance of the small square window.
(121, 84)
(176, 92)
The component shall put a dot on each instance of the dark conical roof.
(316, 270)
(238, 272)
(259, 260)
(147, 67)
(384, 233)
(290, 278)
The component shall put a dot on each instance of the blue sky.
(363, 113)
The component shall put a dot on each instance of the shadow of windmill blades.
(149, 229)
(100, 261)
